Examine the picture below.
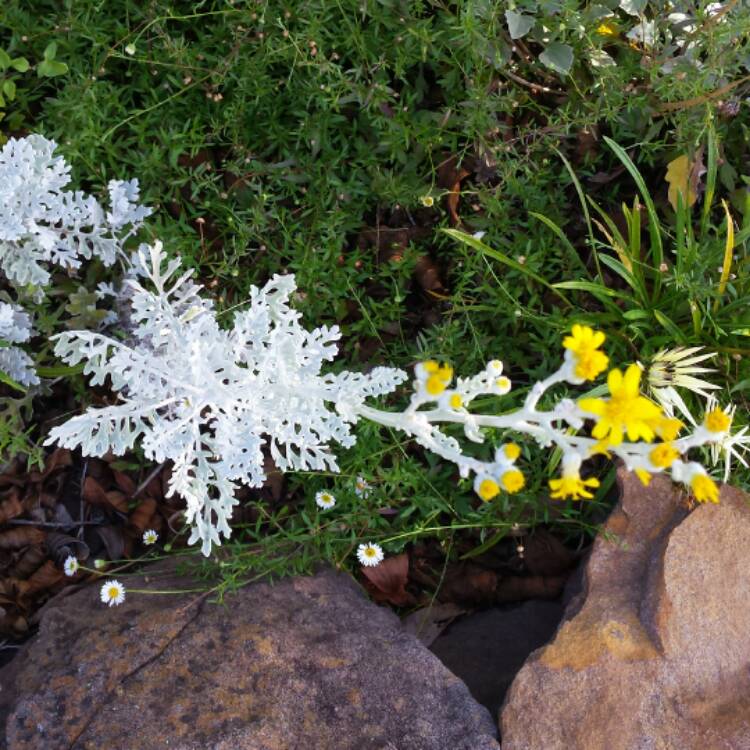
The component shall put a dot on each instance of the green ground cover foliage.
(338, 139)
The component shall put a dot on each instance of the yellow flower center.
(439, 376)
(502, 382)
(113, 592)
(705, 489)
(717, 420)
(663, 455)
(488, 488)
(512, 451)
(513, 481)
(455, 401)
(434, 385)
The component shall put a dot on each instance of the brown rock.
(655, 652)
(303, 663)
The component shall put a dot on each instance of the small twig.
(703, 99)
(152, 475)
(51, 524)
(81, 506)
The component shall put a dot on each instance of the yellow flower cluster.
(509, 479)
(627, 413)
(584, 343)
(436, 377)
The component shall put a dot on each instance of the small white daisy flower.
(324, 500)
(71, 565)
(100, 564)
(370, 554)
(362, 488)
(112, 593)
(150, 536)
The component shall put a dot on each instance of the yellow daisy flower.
(584, 343)
(572, 486)
(512, 481)
(625, 412)
(704, 489)
(663, 455)
(486, 487)
(607, 29)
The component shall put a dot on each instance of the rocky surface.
(486, 649)
(303, 663)
(654, 654)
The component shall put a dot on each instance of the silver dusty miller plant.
(15, 328)
(209, 399)
(43, 225)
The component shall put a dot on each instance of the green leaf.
(518, 24)
(670, 326)
(51, 68)
(598, 290)
(489, 544)
(21, 64)
(5, 378)
(4, 59)
(50, 51)
(558, 56)
(9, 89)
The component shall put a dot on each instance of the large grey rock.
(304, 663)
(654, 654)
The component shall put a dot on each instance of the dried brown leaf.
(427, 275)
(140, 518)
(388, 579)
(454, 195)
(41, 580)
(11, 506)
(30, 561)
(125, 483)
(21, 536)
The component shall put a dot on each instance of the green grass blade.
(561, 236)
(473, 242)
(654, 227)
(669, 326)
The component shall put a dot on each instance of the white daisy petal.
(370, 554)
(150, 536)
(112, 593)
(362, 488)
(71, 565)
(324, 500)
